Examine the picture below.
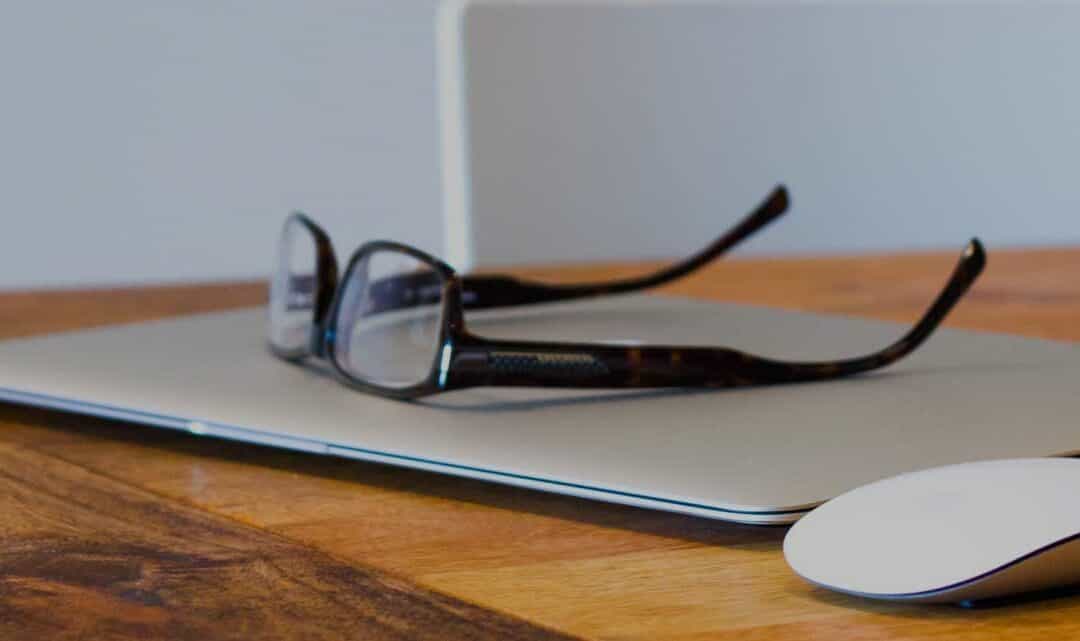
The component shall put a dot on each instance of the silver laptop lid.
(752, 455)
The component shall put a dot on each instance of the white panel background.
(616, 128)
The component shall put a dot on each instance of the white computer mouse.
(959, 533)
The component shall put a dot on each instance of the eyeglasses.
(394, 324)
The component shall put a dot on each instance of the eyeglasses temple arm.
(481, 292)
(485, 292)
(484, 362)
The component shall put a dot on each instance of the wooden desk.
(108, 531)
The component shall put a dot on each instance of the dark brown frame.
(465, 359)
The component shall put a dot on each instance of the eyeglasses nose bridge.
(317, 341)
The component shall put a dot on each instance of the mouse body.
(959, 533)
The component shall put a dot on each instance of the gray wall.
(151, 140)
(159, 140)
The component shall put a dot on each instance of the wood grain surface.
(115, 531)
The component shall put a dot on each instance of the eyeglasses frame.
(464, 359)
